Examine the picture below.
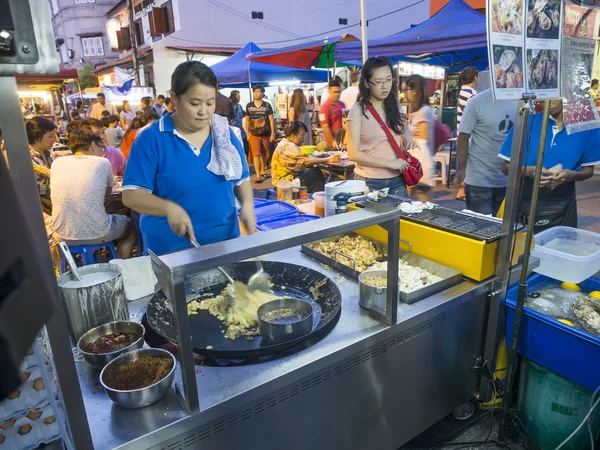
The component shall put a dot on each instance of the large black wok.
(289, 280)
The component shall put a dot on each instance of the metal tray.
(450, 277)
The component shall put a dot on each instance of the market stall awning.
(46, 79)
(237, 71)
(319, 53)
(454, 37)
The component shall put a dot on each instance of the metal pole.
(363, 30)
(134, 55)
(21, 172)
(503, 262)
(512, 353)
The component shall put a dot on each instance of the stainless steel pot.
(370, 296)
(286, 329)
(137, 398)
(99, 360)
(97, 299)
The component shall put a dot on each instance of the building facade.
(168, 32)
(80, 32)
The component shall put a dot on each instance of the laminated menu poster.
(580, 33)
(524, 47)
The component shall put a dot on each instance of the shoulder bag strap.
(387, 132)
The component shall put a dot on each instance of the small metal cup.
(283, 332)
(370, 296)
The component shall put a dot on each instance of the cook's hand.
(248, 219)
(459, 178)
(398, 164)
(179, 221)
(272, 138)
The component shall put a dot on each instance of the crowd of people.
(216, 139)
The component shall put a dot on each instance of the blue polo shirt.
(573, 151)
(165, 164)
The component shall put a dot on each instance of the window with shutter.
(86, 47)
(158, 18)
(77, 2)
(92, 44)
(169, 18)
(99, 46)
(126, 38)
(151, 22)
(119, 41)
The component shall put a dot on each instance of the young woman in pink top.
(368, 146)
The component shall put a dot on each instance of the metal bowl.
(99, 360)
(288, 329)
(138, 398)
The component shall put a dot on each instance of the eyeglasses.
(379, 83)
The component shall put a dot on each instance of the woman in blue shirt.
(567, 158)
(185, 171)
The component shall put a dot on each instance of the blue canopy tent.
(237, 71)
(455, 37)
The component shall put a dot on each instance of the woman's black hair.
(137, 123)
(418, 84)
(295, 127)
(190, 73)
(393, 117)
(83, 138)
(37, 127)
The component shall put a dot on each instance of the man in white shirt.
(159, 105)
(350, 94)
(101, 106)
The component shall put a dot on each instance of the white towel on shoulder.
(225, 159)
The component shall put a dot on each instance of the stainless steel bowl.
(99, 360)
(138, 398)
(289, 329)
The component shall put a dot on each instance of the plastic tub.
(319, 198)
(553, 407)
(567, 254)
(566, 350)
(273, 224)
(272, 209)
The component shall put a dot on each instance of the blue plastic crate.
(280, 222)
(568, 351)
(272, 209)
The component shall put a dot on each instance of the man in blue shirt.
(567, 158)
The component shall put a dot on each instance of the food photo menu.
(524, 47)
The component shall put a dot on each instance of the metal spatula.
(223, 271)
(260, 280)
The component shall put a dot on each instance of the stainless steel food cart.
(365, 385)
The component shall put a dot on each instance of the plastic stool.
(87, 254)
(271, 192)
(442, 160)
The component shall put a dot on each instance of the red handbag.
(414, 173)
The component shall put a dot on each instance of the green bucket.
(552, 407)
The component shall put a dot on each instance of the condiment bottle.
(303, 193)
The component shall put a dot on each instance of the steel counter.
(416, 372)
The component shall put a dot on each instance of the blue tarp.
(237, 71)
(454, 37)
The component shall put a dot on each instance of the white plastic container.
(567, 254)
(352, 187)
